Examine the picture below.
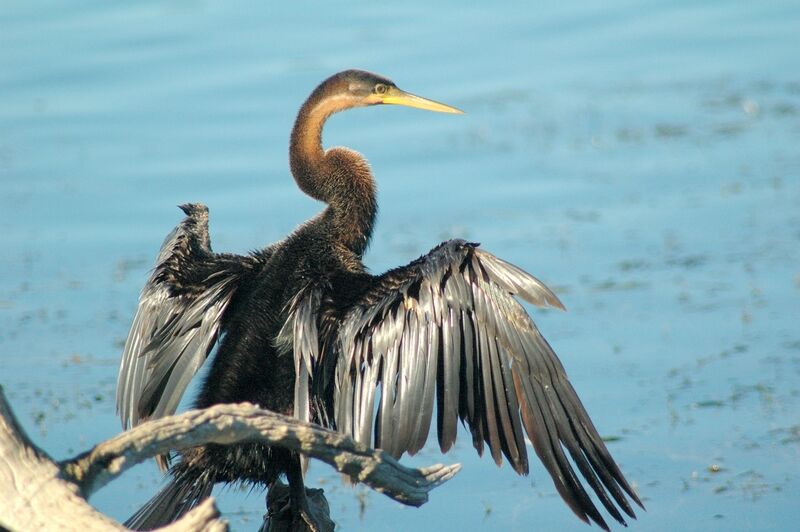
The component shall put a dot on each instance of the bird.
(302, 328)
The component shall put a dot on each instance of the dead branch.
(38, 494)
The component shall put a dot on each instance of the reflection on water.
(642, 159)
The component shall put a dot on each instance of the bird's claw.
(316, 521)
(307, 510)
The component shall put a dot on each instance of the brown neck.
(339, 176)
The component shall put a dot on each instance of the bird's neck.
(339, 176)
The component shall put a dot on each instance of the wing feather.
(178, 320)
(446, 330)
(447, 386)
(429, 348)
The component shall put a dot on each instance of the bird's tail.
(184, 492)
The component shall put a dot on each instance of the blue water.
(641, 158)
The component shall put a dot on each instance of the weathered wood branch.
(34, 495)
(227, 424)
(38, 494)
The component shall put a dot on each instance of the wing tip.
(554, 302)
(194, 209)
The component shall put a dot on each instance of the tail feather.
(178, 497)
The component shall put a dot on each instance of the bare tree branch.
(38, 494)
(35, 496)
(229, 423)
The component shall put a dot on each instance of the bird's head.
(358, 88)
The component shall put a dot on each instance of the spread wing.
(446, 331)
(179, 318)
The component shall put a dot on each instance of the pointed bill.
(395, 96)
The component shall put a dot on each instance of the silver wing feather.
(178, 320)
(446, 330)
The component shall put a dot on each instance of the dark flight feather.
(178, 320)
(446, 331)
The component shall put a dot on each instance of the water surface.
(641, 158)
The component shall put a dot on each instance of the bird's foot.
(312, 514)
(309, 512)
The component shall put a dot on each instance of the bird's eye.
(380, 88)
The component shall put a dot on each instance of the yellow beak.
(395, 96)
